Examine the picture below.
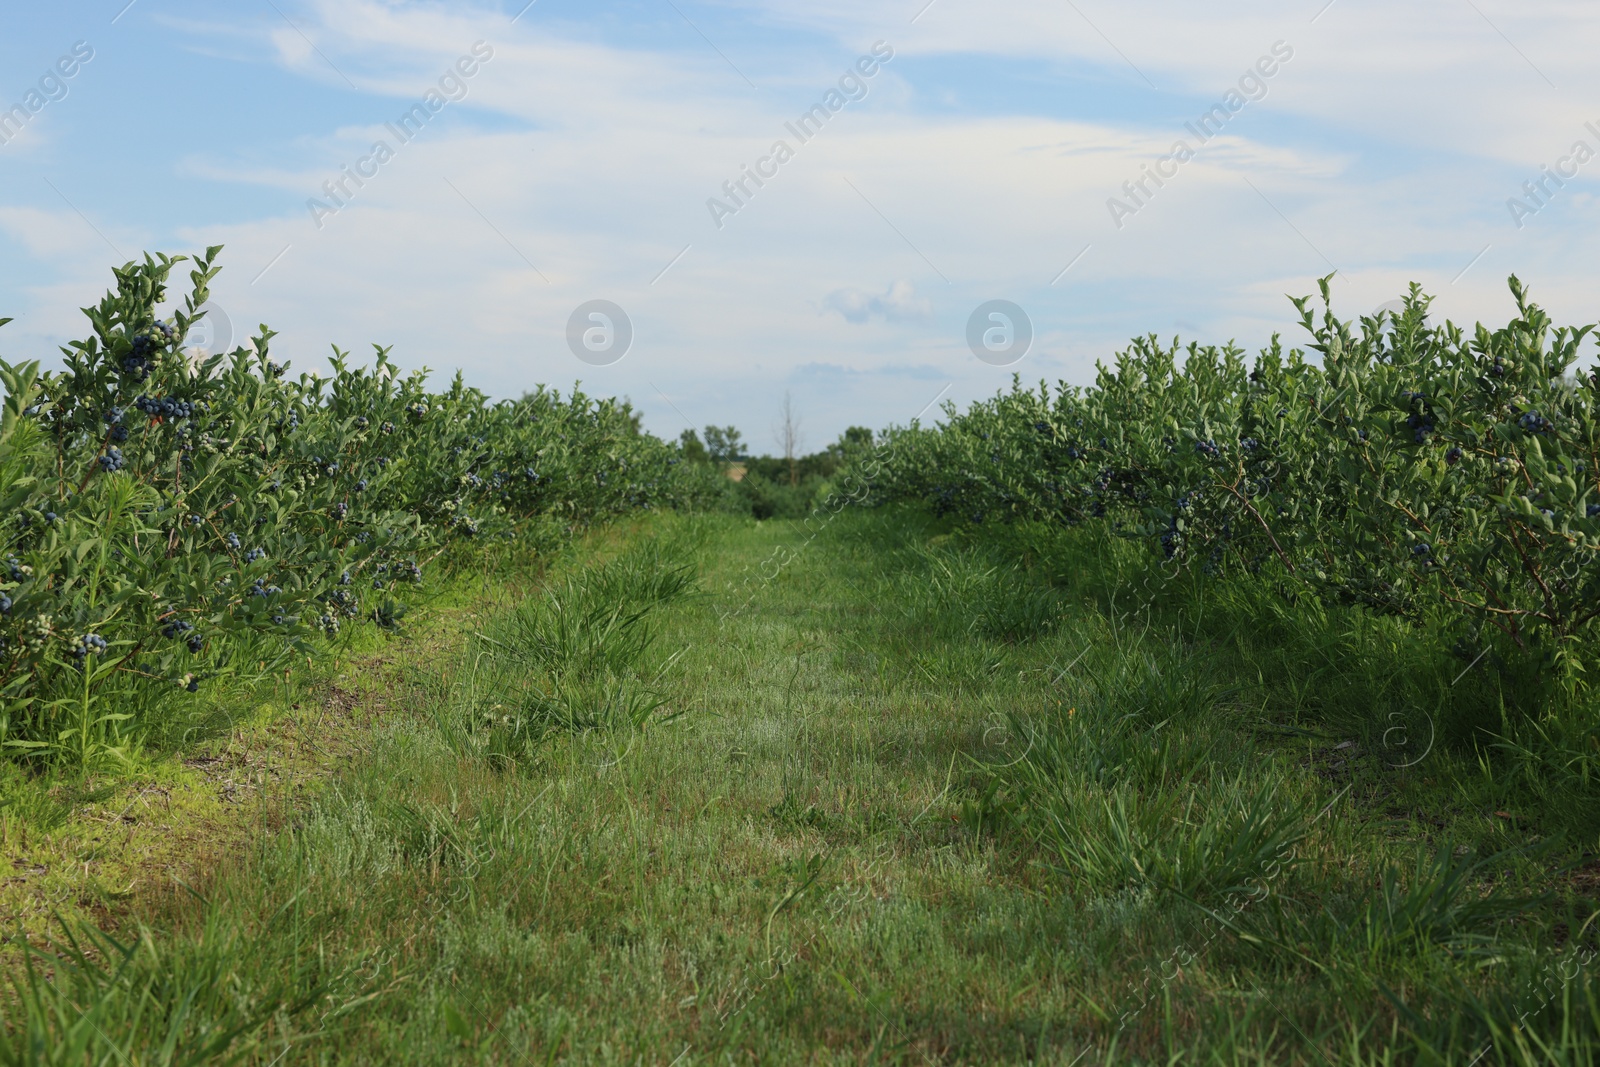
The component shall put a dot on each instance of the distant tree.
(855, 439)
(789, 437)
(693, 451)
(724, 444)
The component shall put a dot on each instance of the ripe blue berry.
(1533, 422)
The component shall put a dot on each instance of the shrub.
(169, 520)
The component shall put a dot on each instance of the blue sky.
(979, 164)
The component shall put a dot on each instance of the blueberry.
(1421, 550)
(195, 642)
(233, 541)
(1453, 456)
(5, 604)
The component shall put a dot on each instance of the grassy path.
(793, 862)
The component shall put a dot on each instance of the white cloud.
(898, 303)
(1385, 148)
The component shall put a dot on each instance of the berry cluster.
(1533, 422)
(164, 407)
(88, 645)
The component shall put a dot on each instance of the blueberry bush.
(171, 519)
(1415, 469)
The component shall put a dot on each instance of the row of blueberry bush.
(1410, 467)
(172, 518)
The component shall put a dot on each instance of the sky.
(1109, 170)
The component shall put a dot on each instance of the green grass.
(889, 797)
